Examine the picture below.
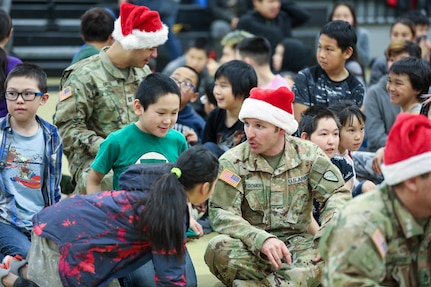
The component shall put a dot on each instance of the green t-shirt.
(130, 145)
(84, 52)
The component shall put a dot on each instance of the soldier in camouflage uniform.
(97, 93)
(263, 199)
(383, 237)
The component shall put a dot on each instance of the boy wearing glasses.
(31, 152)
(189, 123)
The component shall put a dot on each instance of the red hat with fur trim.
(408, 149)
(272, 106)
(139, 27)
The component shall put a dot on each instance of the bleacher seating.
(47, 32)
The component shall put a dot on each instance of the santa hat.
(139, 27)
(272, 106)
(408, 149)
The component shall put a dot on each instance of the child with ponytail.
(90, 240)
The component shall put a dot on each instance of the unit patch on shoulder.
(65, 93)
(230, 177)
(380, 243)
(330, 176)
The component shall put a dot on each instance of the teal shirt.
(84, 52)
(130, 145)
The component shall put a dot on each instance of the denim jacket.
(52, 167)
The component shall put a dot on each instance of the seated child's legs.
(144, 275)
(14, 240)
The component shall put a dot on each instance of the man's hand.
(276, 250)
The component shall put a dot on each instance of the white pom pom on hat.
(272, 106)
(139, 27)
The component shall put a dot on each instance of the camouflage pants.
(43, 260)
(81, 183)
(229, 259)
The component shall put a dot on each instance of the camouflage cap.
(231, 39)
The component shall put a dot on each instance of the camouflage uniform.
(375, 241)
(271, 203)
(99, 101)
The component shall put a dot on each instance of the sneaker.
(14, 263)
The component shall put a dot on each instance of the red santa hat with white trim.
(408, 149)
(272, 106)
(139, 27)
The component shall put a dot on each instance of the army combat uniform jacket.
(96, 99)
(375, 241)
(254, 202)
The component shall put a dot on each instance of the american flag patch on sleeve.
(230, 177)
(65, 93)
(380, 243)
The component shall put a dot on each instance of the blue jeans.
(14, 240)
(144, 275)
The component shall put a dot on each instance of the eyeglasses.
(185, 86)
(26, 96)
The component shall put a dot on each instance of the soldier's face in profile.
(140, 57)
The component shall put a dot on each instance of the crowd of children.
(154, 139)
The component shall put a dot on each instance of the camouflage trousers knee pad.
(229, 259)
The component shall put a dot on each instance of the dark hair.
(346, 112)
(209, 92)
(349, 6)
(419, 73)
(296, 55)
(425, 109)
(311, 117)
(198, 76)
(406, 22)
(342, 32)
(155, 86)
(3, 68)
(97, 24)
(30, 71)
(400, 46)
(241, 76)
(163, 216)
(257, 48)
(417, 17)
(199, 43)
(5, 24)
(5, 29)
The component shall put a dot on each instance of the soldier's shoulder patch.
(330, 176)
(65, 93)
(380, 243)
(230, 177)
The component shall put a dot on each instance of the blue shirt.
(52, 157)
